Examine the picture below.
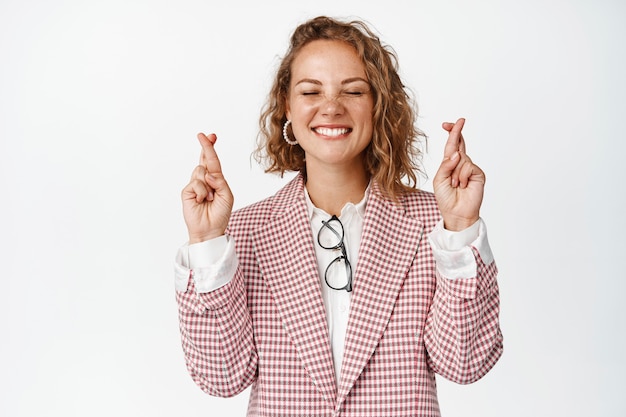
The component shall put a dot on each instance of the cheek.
(366, 110)
(366, 115)
(302, 111)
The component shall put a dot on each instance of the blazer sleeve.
(462, 333)
(217, 337)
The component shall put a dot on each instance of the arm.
(215, 324)
(217, 337)
(462, 334)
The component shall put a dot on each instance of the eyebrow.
(344, 82)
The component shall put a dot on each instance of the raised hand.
(459, 183)
(207, 199)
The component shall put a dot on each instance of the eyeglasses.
(330, 237)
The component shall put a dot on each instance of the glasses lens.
(331, 234)
(338, 273)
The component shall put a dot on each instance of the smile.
(331, 132)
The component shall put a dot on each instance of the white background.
(100, 102)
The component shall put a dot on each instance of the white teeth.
(331, 132)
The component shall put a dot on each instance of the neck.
(330, 190)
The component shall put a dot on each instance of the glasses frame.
(343, 256)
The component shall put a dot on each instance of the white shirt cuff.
(211, 263)
(453, 250)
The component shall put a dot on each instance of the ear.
(287, 109)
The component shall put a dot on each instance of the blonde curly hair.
(393, 157)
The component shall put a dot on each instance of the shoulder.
(412, 204)
(252, 214)
(419, 199)
(250, 217)
(421, 205)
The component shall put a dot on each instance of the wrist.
(194, 238)
(456, 224)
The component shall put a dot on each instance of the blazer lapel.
(284, 249)
(388, 246)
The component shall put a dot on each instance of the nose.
(332, 106)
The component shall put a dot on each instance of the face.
(330, 105)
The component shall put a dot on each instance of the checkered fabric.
(267, 327)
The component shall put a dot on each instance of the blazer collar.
(286, 256)
(389, 243)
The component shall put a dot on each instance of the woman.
(325, 297)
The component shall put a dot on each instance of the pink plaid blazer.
(267, 327)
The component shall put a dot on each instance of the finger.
(198, 173)
(447, 168)
(470, 172)
(454, 137)
(462, 145)
(217, 184)
(464, 173)
(209, 157)
(464, 163)
(197, 190)
(447, 126)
